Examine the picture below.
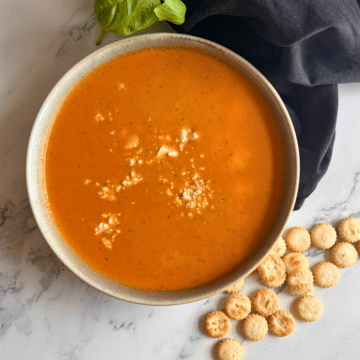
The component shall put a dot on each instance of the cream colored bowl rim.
(35, 170)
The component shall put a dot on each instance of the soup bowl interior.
(36, 175)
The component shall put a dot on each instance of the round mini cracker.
(294, 261)
(344, 255)
(297, 239)
(282, 323)
(301, 282)
(236, 287)
(265, 302)
(323, 236)
(326, 274)
(229, 349)
(349, 229)
(217, 324)
(279, 247)
(272, 271)
(254, 327)
(237, 306)
(309, 308)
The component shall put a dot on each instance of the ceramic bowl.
(36, 180)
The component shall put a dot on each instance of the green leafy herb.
(171, 10)
(128, 16)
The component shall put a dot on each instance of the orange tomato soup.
(164, 168)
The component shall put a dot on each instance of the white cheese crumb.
(167, 150)
(135, 178)
(162, 179)
(88, 181)
(178, 201)
(183, 135)
(193, 136)
(173, 153)
(186, 194)
(108, 227)
(99, 117)
(108, 192)
(133, 142)
(107, 243)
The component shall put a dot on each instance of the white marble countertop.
(48, 313)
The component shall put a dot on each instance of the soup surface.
(164, 168)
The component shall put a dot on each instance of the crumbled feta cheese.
(99, 117)
(193, 136)
(133, 142)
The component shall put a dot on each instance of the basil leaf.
(125, 16)
(128, 16)
(171, 10)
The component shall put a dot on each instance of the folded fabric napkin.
(304, 48)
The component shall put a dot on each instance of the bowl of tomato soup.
(162, 168)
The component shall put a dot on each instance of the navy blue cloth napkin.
(304, 48)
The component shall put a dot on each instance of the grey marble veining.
(46, 312)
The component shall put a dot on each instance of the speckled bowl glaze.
(36, 179)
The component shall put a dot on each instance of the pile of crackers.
(292, 267)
